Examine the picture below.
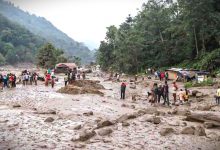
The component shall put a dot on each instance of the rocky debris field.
(38, 117)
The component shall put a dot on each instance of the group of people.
(163, 91)
(161, 75)
(72, 75)
(28, 78)
(50, 78)
(8, 81)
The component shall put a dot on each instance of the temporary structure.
(65, 67)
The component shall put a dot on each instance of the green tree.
(46, 56)
(2, 59)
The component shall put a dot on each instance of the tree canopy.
(163, 33)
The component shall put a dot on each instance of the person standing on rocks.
(66, 80)
(1, 82)
(166, 93)
(5, 81)
(160, 93)
(123, 88)
(84, 75)
(174, 91)
(218, 96)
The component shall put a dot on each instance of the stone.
(199, 95)
(49, 119)
(149, 110)
(104, 123)
(125, 124)
(126, 117)
(153, 119)
(123, 105)
(204, 107)
(104, 131)
(16, 105)
(194, 92)
(45, 111)
(188, 130)
(208, 125)
(77, 127)
(166, 131)
(199, 131)
(85, 135)
(90, 113)
(80, 145)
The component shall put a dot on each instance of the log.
(212, 118)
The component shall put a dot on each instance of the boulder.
(49, 119)
(126, 117)
(104, 123)
(89, 113)
(77, 127)
(125, 124)
(149, 110)
(194, 92)
(85, 135)
(188, 130)
(199, 95)
(153, 119)
(16, 105)
(204, 107)
(165, 131)
(104, 131)
(208, 125)
(199, 131)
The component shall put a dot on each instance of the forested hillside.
(163, 34)
(17, 44)
(41, 27)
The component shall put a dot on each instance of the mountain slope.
(40, 26)
(17, 44)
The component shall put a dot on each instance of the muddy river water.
(23, 111)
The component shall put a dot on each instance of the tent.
(65, 67)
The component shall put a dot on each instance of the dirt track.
(25, 127)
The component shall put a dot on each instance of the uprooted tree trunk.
(211, 118)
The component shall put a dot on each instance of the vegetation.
(41, 27)
(208, 82)
(164, 33)
(17, 44)
(48, 56)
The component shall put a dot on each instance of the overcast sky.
(83, 20)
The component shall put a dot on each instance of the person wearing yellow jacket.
(218, 96)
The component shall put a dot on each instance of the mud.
(24, 127)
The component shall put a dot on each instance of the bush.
(208, 82)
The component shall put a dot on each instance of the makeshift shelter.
(65, 67)
(173, 73)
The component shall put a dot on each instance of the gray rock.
(194, 92)
(208, 125)
(90, 113)
(80, 145)
(199, 95)
(166, 131)
(104, 131)
(200, 131)
(126, 117)
(16, 105)
(77, 127)
(85, 135)
(104, 123)
(153, 119)
(125, 124)
(188, 130)
(49, 119)
(204, 107)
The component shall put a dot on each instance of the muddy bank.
(37, 117)
(83, 87)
